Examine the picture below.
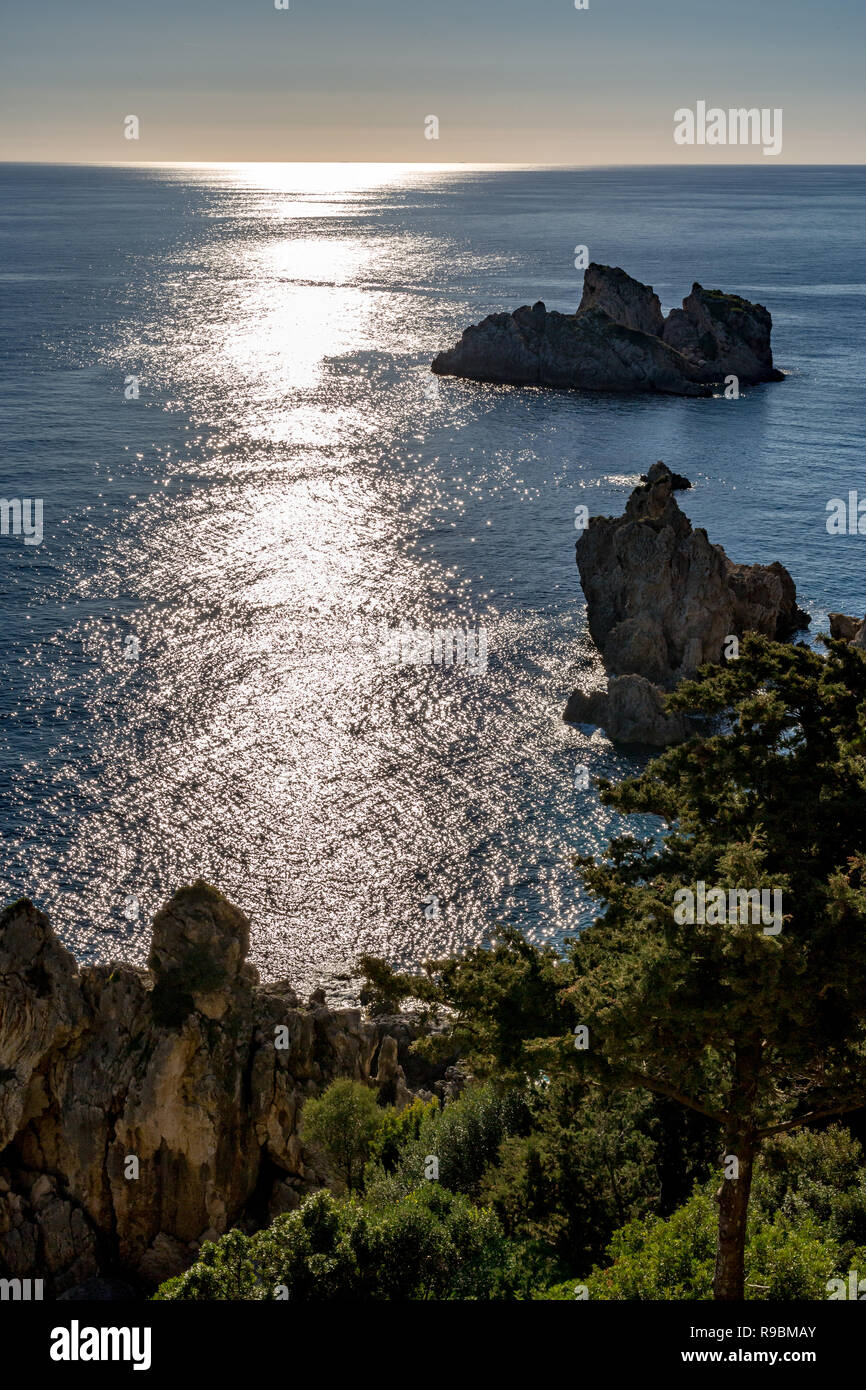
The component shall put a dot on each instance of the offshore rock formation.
(630, 710)
(619, 341)
(661, 601)
(144, 1111)
(623, 299)
(722, 334)
(847, 629)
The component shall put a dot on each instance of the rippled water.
(291, 480)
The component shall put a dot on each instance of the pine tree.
(762, 1030)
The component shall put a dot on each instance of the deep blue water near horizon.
(291, 479)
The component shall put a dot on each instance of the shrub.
(817, 1173)
(464, 1136)
(674, 1259)
(430, 1244)
(399, 1129)
(343, 1126)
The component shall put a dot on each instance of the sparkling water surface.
(291, 481)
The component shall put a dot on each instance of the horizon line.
(421, 164)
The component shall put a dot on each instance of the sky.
(509, 81)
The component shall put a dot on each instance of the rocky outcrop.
(588, 350)
(723, 335)
(630, 710)
(662, 600)
(144, 1111)
(623, 299)
(845, 629)
(619, 341)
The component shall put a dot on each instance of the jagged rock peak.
(623, 298)
(198, 951)
(662, 600)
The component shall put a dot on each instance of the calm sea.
(189, 672)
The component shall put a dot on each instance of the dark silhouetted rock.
(590, 351)
(723, 335)
(619, 341)
(623, 299)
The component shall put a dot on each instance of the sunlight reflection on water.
(291, 481)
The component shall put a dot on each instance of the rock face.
(661, 601)
(623, 299)
(631, 710)
(847, 629)
(722, 334)
(142, 1112)
(619, 341)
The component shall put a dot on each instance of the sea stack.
(662, 600)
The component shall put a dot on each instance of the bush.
(655, 1259)
(674, 1259)
(583, 1172)
(817, 1173)
(399, 1129)
(430, 1244)
(464, 1136)
(343, 1126)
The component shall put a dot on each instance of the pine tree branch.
(811, 1118)
(662, 1089)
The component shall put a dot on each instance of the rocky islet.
(619, 340)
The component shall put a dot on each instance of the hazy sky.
(513, 81)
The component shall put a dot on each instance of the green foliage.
(582, 1181)
(399, 1129)
(586, 1168)
(384, 989)
(430, 1244)
(343, 1126)
(500, 997)
(465, 1137)
(655, 1259)
(224, 1270)
(563, 1292)
(674, 1259)
(757, 1030)
(818, 1175)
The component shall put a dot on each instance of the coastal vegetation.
(661, 1109)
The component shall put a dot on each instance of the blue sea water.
(290, 481)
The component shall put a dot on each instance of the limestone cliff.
(143, 1111)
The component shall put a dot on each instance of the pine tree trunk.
(733, 1198)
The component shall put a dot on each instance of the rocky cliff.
(618, 340)
(661, 601)
(144, 1111)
